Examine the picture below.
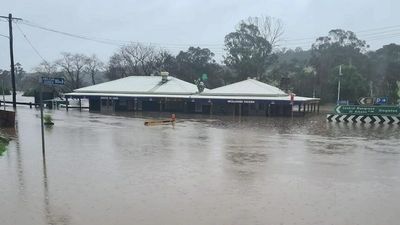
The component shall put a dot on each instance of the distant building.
(170, 94)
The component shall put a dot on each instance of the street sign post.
(368, 110)
(46, 81)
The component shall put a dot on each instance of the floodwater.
(111, 169)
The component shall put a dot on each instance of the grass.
(48, 119)
(3, 148)
(3, 144)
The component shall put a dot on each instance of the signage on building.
(241, 101)
(113, 98)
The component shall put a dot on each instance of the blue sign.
(59, 81)
(343, 102)
(47, 80)
(51, 81)
(381, 101)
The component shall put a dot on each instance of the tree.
(385, 64)
(72, 68)
(5, 82)
(353, 84)
(46, 69)
(31, 82)
(292, 72)
(196, 61)
(169, 63)
(134, 59)
(93, 67)
(249, 53)
(338, 48)
(116, 67)
(193, 63)
(270, 28)
(19, 75)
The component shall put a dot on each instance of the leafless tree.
(271, 28)
(116, 67)
(134, 59)
(46, 69)
(93, 66)
(72, 67)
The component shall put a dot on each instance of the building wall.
(203, 106)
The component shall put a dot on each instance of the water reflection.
(104, 169)
(243, 157)
(51, 217)
(20, 162)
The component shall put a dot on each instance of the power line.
(109, 41)
(66, 34)
(4, 36)
(385, 37)
(30, 43)
(368, 34)
(379, 28)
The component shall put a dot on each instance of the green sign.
(367, 110)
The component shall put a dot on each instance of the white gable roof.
(249, 87)
(142, 85)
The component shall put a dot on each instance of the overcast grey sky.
(176, 25)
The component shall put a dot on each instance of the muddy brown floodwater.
(111, 169)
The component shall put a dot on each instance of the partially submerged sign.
(367, 110)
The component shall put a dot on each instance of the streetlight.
(315, 75)
(338, 88)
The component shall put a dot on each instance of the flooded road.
(105, 169)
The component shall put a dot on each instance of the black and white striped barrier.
(363, 119)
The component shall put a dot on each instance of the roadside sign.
(343, 102)
(59, 81)
(366, 101)
(381, 100)
(51, 81)
(47, 80)
(367, 110)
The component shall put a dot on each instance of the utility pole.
(10, 37)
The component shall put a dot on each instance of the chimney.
(164, 76)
